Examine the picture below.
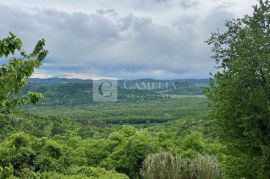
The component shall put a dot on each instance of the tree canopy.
(239, 92)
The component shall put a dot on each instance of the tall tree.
(239, 92)
(14, 74)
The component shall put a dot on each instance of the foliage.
(133, 147)
(14, 74)
(194, 144)
(30, 148)
(239, 93)
(85, 172)
(23, 155)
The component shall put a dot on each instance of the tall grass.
(168, 166)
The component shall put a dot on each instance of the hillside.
(70, 92)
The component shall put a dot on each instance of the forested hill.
(63, 91)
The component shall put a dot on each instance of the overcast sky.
(121, 38)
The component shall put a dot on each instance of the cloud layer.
(123, 38)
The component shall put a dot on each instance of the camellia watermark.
(136, 90)
(141, 85)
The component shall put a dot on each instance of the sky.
(122, 39)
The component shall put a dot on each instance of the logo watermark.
(141, 85)
(105, 91)
(134, 90)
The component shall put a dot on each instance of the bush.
(132, 149)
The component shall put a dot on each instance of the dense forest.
(217, 128)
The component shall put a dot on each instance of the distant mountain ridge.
(57, 80)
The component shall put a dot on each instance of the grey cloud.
(112, 45)
(218, 18)
(189, 3)
(133, 22)
(182, 3)
(107, 11)
(161, 1)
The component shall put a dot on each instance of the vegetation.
(239, 93)
(14, 74)
(67, 136)
(146, 112)
(58, 147)
(167, 166)
(76, 92)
